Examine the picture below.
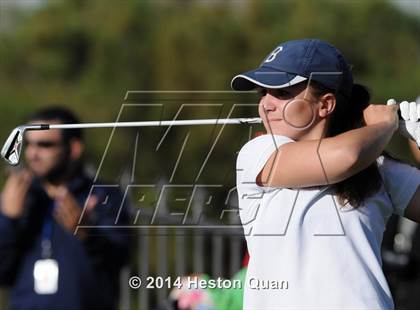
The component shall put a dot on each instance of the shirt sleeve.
(251, 160)
(255, 154)
(401, 182)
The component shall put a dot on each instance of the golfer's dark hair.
(62, 115)
(348, 115)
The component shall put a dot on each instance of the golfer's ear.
(76, 149)
(327, 106)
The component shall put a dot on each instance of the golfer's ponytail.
(348, 115)
(348, 112)
(359, 99)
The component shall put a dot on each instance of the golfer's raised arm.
(331, 160)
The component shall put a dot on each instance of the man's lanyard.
(46, 249)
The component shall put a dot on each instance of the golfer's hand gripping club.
(409, 125)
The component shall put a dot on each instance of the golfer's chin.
(39, 170)
(274, 127)
(283, 131)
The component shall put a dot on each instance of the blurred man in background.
(47, 262)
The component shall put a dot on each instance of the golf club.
(12, 147)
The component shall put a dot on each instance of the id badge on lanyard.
(46, 269)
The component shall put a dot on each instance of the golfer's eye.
(284, 94)
(43, 144)
(262, 92)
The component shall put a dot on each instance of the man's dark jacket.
(88, 268)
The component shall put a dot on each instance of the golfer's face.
(287, 111)
(44, 150)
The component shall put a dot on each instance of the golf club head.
(12, 147)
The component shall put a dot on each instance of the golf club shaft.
(222, 121)
(229, 121)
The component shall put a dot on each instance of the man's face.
(45, 151)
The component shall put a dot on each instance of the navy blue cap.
(296, 61)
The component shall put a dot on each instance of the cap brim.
(265, 78)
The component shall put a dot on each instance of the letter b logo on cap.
(273, 54)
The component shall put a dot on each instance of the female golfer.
(315, 193)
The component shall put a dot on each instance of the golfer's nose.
(268, 103)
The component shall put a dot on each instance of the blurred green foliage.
(87, 54)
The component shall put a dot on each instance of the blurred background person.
(45, 260)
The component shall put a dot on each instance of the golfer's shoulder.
(261, 145)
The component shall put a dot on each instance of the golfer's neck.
(317, 132)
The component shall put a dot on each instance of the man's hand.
(410, 125)
(67, 212)
(14, 193)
